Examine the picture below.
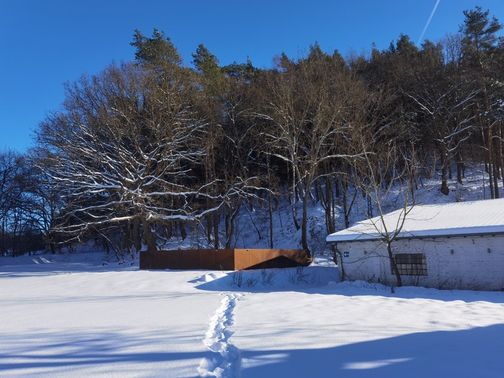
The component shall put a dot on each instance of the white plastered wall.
(475, 262)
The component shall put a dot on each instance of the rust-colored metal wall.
(213, 259)
(224, 259)
(269, 258)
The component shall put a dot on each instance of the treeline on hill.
(151, 150)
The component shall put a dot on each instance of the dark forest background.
(151, 150)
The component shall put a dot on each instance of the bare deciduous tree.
(126, 150)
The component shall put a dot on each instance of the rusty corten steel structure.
(224, 259)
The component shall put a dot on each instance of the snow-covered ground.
(70, 315)
(76, 318)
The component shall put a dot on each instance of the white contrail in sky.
(428, 22)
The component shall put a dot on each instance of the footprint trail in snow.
(226, 360)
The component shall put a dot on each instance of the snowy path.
(225, 361)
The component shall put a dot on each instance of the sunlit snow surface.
(71, 315)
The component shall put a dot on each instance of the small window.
(410, 264)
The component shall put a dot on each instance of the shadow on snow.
(475, 352)
(325, 280)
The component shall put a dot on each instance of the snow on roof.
(451, 219)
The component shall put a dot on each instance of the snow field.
(67, 318)
(307, 327)
(111, 324)
(351, 330)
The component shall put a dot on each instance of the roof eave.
(363, 238)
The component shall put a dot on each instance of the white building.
(456, 245)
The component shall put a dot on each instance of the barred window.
(410, 264)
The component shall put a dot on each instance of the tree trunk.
(331, 205)
(270, 205)
(270, 215)
(230, 225)
(488, 160)
(460, 168)
(395, 269)
(344, 191)
(137, 242)
(208, 227)
(304, 225)
(496, 179)
(444, 180)
(500, 146)
(216, 231)
(294, 217)
(369, 207)
(496, 164)
(338, 260)
(148, 237)
(183, 231)
(294, 198)
(444, 173)
(328, 204)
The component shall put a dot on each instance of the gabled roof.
(451, 219)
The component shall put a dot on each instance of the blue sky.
(46, 43)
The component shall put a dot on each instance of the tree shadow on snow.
(55, 268)
(56, 353)
(475, 352)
